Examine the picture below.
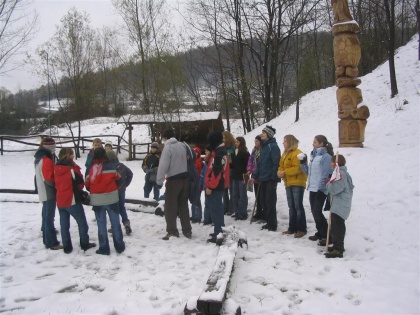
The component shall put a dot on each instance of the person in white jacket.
(173, 165)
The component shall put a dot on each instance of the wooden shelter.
(192, 128)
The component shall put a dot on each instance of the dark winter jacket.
(150, 161)
(68, 182)
(44, 174)
(239, 164)
(268, 162)
(126, 176)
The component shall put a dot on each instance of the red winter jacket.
(198, 161)
(102, 183)
(64, 182)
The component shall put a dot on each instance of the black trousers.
(268, 200)
(316, 200)
(338, 231)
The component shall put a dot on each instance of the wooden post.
(130, 152)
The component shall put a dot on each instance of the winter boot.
(334, 254)
(127, 227)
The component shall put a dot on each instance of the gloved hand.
(303, 158)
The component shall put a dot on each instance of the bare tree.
(17, 27)
(72, 54)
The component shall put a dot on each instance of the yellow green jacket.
(290, 164)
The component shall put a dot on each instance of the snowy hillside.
(277, 274)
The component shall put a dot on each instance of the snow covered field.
(277, 274)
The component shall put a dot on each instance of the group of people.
(225, 174)
(59, 183)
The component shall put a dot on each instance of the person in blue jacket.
(318, 173)
(341, 193)
(266, 173)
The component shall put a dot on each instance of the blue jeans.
(297, 217)
(239, 199)
(121, 205)
(197, 212)
(49, 237)
(114, 218)
(78, 213)
(215, 204)
(207, 218)
(148, 186)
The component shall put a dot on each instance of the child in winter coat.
(96, 143)
(340, 188)
(202, 186)
(126, 177)
(150, 167)
(196, 210)
(69, 182)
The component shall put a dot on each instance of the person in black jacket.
(150, 167)
(239, 163)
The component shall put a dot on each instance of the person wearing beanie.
(216, 180)
(251, 167)
(44, 185)
(173, 166)
(108, 145)
(266, 173)
(150, 167)
(102, 184)
(126, 177)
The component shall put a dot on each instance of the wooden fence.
(31, 143)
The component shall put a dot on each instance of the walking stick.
(329, 217)
(255, 203)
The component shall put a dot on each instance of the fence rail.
(138, 149)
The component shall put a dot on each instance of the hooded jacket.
(341, 192)
(44, 174)
(66, 187)
(173, 161)
(217, 175)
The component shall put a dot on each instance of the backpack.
(193, 192)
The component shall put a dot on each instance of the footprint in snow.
(325, 270)
(355, 273)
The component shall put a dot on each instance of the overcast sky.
(50, 13)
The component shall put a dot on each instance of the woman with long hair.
(294, 180)
(318, 173)
(238, 169)
(69, 182)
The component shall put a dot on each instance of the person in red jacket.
(102, 184)
(69, 183)
(44, 182)
(196, 210)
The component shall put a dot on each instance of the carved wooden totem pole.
(351, 112)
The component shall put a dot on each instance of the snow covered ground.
(277, 274)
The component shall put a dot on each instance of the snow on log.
(211, 299)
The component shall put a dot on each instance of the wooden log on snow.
(213, 296)
(18, 191)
